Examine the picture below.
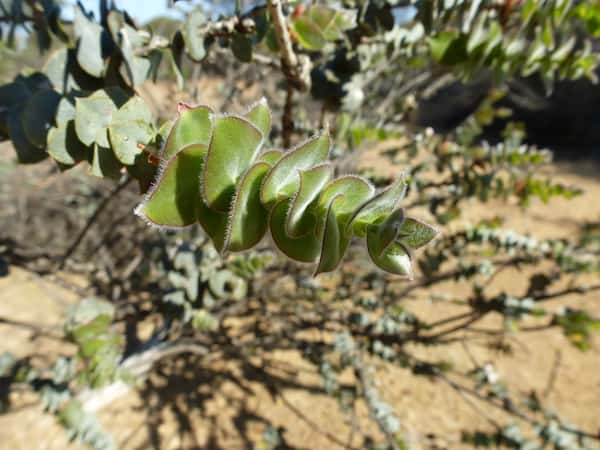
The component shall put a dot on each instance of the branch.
(296, 70)
(92, 220)
(371, 397)
(138, 366)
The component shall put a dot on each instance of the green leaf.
(270, 156)
(341, 198)
(260, 115)
(308, 33)
(312, 181)
(241, 46)
(303, 249)
(345, 19)
(440, 43)
(449, 47)
(377, 208)
(234, 145)
(248, 218)
(143, 172)
(93, 115)
(193, 126)
(63, 145)
(391, 257)
(174, 201)
(65, 74)
(284, 180)
(193, 36)
(332, 22)
(104, 163)
(354, 192)
(175, 56)
(214, 224)
(65, 110)
(135, 68)
(89, 44)
(335, 242)
(130, 126)
(415, 234)
(324, 18)
(38, 116)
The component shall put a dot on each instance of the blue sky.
(144, 10)
(141, 10)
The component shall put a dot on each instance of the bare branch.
(294, 68)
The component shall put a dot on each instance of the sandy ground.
(221, 406)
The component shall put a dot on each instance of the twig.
(371, 396)
(139, 365)
(311, 422)
(473, 405)
(291, 65)
(509, 408)
(553, 373)
(101, 207)
(296, 69)
(287, 121)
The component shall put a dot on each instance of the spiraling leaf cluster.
(217, 172)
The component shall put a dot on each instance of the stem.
(287, 121)
(289, 60)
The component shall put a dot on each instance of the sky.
(141, 10)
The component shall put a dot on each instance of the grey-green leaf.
(130, 127)
(38, 115)
(89, 44)
(63, 145)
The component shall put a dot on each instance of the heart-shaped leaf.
(63, 145)
(104, 163)
(93, 115)
(89, 43)
(130, 126)
(193, 36)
